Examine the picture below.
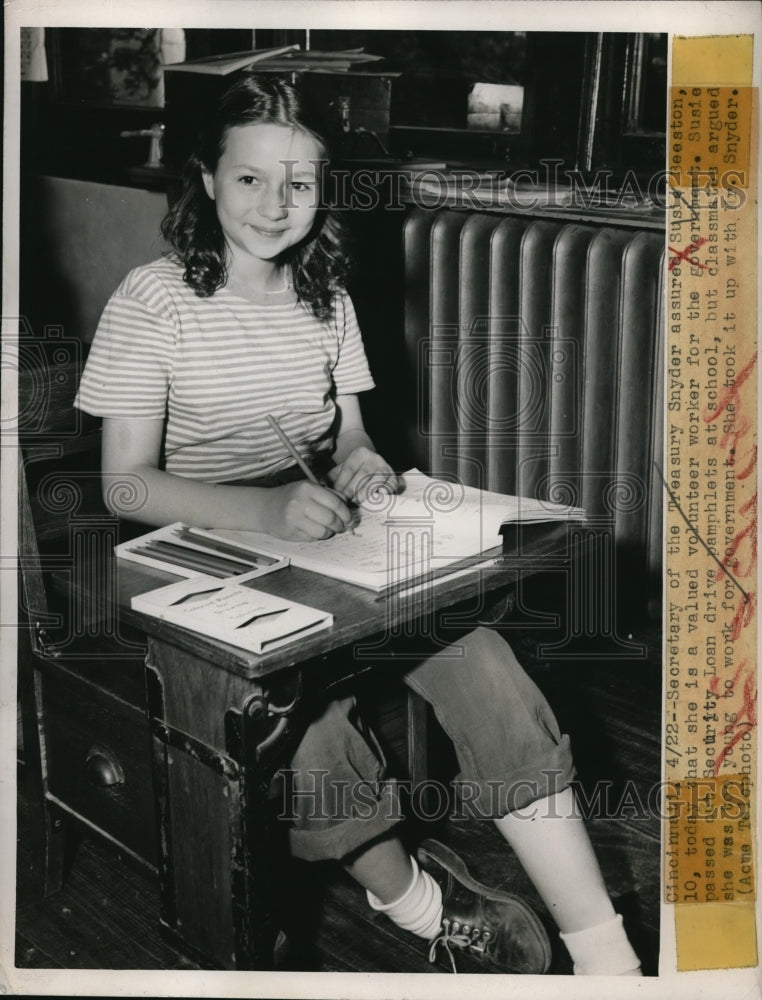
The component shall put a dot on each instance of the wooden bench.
(85, 737)
(86, 748)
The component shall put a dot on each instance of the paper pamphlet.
(232, 613)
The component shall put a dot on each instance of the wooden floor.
(107, 913)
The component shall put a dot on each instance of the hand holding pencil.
(308, 509)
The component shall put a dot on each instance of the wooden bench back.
(58, 464)
(66, 535)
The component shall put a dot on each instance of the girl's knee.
(490, 649)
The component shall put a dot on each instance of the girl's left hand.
(362, 473)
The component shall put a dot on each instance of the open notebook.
(429, 526)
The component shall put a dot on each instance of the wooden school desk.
(223, 721)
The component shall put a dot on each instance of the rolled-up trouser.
(507, 741)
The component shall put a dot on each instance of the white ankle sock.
(418, 909)
(603, 950)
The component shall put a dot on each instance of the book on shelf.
(222, 65)
(287, 58)
(430, 526)
(186, 551)
(232, 613)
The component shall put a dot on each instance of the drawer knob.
(103, 769)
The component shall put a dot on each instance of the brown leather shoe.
(494, 928)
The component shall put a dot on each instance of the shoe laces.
(462, 936)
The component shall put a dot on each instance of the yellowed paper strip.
(715, 936)
(710, 474)
(712, 60)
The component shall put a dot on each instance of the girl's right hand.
(302, 512)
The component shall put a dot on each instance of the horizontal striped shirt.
(215, 367)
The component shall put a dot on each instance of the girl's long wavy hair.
(319, 263)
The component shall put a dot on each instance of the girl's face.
(265, 190)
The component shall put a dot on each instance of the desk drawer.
(98, 753)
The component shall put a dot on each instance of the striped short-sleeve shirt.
(215, 367)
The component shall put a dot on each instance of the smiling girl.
(248, 316)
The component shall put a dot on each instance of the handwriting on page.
(399, 537)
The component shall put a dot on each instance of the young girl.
(247, 316)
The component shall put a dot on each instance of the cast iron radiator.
(537, 347)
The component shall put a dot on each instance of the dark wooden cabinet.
(98, 752)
